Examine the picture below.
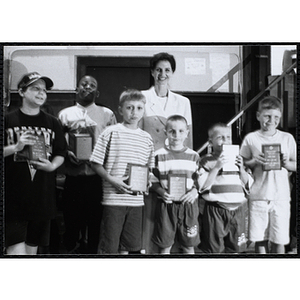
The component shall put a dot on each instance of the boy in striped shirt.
(117, 147)
(176, 216)
(223, 226)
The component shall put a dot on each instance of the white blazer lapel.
(154, 105)
(171, 104)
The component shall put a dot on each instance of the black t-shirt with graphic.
(29, 193)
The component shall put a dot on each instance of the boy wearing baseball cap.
(34, 148)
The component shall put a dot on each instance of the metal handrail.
(249, 104)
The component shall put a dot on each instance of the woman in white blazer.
(160, 104)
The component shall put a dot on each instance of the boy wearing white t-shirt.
(269, 207)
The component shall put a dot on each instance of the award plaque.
(231, 152)
(81, 145)
(272, 154)
(177, 185)
(38, 150)
(138, 177)
(34, 152)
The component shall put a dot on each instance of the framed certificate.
(272, 154)
(231, 152)
(177, 185)
(138, 177)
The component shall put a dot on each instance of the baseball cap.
(30, 78)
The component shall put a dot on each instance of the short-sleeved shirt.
(274, 184)
(30, 194)
(116, 148)
(228, 190)
(92, 119)
(169, 161)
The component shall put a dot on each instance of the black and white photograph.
(98, 98)
(78, 116)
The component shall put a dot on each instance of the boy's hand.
(120, 185)
(26, 138)
(239, 162)
(167, 198)
(290, 165)
(148, 188)
(190, 196)
(73, 159)
(221, 161)
(284, 159)
(259, 159)
(43, 165)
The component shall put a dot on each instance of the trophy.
(81, 144)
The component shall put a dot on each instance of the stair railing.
(253, 101)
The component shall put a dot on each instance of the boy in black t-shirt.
(30, 182)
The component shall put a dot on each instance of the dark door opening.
(115, 74)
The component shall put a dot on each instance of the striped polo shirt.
(116, 147)
(168, 161)
(228, 190)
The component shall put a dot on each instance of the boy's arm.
(11, 149)
(243, 174)
(156, 186)
(25, 139)
(118, 183)
(167, 198)
(290, 165)
(289, 160)
(257, 159)
(48, 166)
(193, 193)
(211, 177)
(190, 196)
(251, 155)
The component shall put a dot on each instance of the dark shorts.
(33, 233)
(121, 229)
(223, 230)
(177, 220)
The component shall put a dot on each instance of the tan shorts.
(269, 220)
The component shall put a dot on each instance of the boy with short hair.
(269, 205)
(30, 184)
(223, 226)
(117, 147)
(81, 206)
(176, 217)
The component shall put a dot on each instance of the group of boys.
(116, 145)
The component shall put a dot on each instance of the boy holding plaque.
(83, 123)
(173, 181)
(34, 148)
(122, 157)
(223, 186)
(271, 155)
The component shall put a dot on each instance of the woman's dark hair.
(163, 56)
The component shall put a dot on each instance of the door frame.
(83, 62)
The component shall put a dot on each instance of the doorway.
(114, 75)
